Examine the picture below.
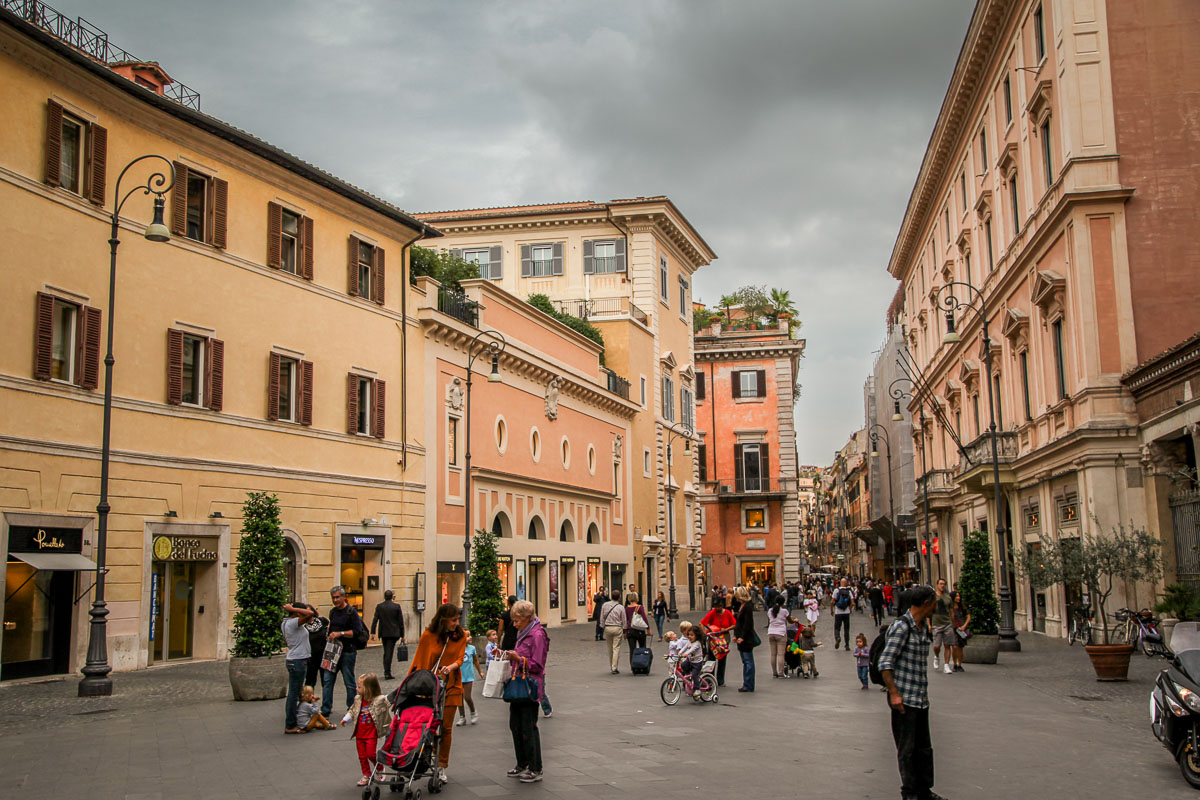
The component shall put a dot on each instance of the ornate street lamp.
(683, 431)
(1008, 632)
(96, 681)
(887, 442)
(494, 348)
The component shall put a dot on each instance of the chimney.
(144, 73)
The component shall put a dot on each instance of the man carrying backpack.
(347, 629)
(842, 601)
(902, 666)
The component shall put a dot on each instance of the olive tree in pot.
(979, 596)
(1099, 562)
(257, 670)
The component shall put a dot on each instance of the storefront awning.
(48, 562)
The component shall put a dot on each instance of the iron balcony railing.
(601, 307)
(88, 39)
(979, 452)
(458, 305)
(744, 485)
(616, 384)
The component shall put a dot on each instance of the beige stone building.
(626, 266)
(1060, 183)
(261, 349)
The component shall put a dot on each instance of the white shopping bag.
(497, 675)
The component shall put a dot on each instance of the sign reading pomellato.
(36, 539)
(183, 548)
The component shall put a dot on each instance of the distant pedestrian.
(842, 601)
(508, 633)
(747, 638)
(888, 596)
(636, 623)
(598, 601)
(862, 660)
(960, 618)
(660, 613)
(903, 667)
(777, 622)
(613, 621)
(297, 661)
(371, 714)
(345, 626)
(716, 626)
(389, 622)
(528, 658)
(943, 629)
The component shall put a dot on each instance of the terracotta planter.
(981, 649)
(1110, 661)
(259, 678)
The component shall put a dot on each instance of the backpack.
(877, 651)
(361, 634)
(843, 598)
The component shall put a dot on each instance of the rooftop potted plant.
(257, 670)
(979, 596)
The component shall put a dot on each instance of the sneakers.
(959, 668)
(948, 669)
(460, 722)
(474, 717)
(441, 773)
(516, 772)
(529, 776)
(935, 661)
(547, 714)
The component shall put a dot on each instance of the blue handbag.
(520, 689)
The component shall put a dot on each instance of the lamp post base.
(1007, 631)
(96, 681)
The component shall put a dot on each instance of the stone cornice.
(510, 479)
(706, 355)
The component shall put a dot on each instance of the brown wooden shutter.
(179, 200)
(273, 387)
(220, 212)
(274, 235)
(89, 364)
(761, 380)
(352, 403)
(379, 396)
(306, 392)
(54, 115)
(736, 383)
(216, 374)
(699, 385)
(377, 271)
(306, 235)
(43, 336)
(764, 465)
(98, 153)
(174, 366)
(352, 268)
(738, 468)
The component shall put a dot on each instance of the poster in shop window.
(553, 584)
(582, 568)
(520, 579)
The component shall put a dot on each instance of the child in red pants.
(371, 715)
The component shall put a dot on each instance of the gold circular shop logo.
(162, 548)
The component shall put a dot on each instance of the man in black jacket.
(389, 621)
(344, 622)
(597, 602)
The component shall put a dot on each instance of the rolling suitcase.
(640, 659)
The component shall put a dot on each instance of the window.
(755, 518)
(366, 270)
(289, 241)
(66, 342)
(289, 387)
(365, 405)
(946, 221)
(662, 278)
(991, 253)
(983, 158)
(996, 396)
(668, 398)
(685, 407)
(1060, 362)
(683, 290)
(452, 441)
(199, 206)
(1025, 383)
(702, 461)
(646, 461)
(1039, 34)
(967, 264)
(749, 383)
(1012, 203)
(501, 435)
(591, 459)
(76, 154)
(285, 389)
(617, 479)
(962, 189)
(192, 371)
(535, 444)
(643, 384)
(1007, 99)
(1047, 159)
(366, 260)
(195, 370)
(699, 385)
(603, 257)
(541, 260)
(975, 412)
(751, 467)
(488, 259)
(62, 358)
(958, 423)
(565, 451)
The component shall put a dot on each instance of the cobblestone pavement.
(1037, 725)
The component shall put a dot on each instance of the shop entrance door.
(535, 586)
(758, 572)
(566, 590)
(37, 621)
(172, 600)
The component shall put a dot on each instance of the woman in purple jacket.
(528, 658)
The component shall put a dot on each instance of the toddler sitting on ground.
(308, 712)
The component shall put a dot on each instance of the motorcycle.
(1175, 702)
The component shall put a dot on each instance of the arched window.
(292, 560)
(502, 526)
(537, 528)
(566, 531)
(593, 534)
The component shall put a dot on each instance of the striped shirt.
(906, 653)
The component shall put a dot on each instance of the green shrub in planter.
(975, 583)
(261, 574)
(487, 593)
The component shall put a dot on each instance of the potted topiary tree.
(487, 593)
(1098, 562)
(979, 596)
(257, 670)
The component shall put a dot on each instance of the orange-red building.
(745, 393)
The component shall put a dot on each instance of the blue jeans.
(546, 709)
(328, 678)
(747, 669)
(658, 620)
(296, 668)
(864, 674)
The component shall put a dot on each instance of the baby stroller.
(409, 752)
(792, 657)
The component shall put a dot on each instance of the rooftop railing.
(458, 305)
(601, 307)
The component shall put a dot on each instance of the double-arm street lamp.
(887, 443)
(1008, 633)
(897, 394)
(493, 348)
(683, 431)
(96, 681)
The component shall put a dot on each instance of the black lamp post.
(898, 393)
(683, 431)
(96, 681)
(493, 348)
(1008, 632)
(887, 442)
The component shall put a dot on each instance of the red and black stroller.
(409, 751)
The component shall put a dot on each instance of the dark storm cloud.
(790, 133)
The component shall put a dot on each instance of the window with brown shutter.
(179, 200)
(216, 374)
(761, 381)
(66, 342)
(199, 206)
(89, 376)
(306, 263)
(379, 396)
(274, 235)
(273, 385)
(76, 154)
(306, 392)
(97, 162)
(220, 212)
(195, 370)
(54, 117)
(352, 267)
(377, 271)
(174, 367)
(351, 404)
(43, 336)
(736, 383)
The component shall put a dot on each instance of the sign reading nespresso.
(33, 539)
(183, 548)
(362, 540)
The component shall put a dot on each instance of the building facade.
(227, 378)
(1050, 187)
(626, 267)
(746, 376)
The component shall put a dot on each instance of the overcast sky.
(788, 132)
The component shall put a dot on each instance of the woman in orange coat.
(441, 650)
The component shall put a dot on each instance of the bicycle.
(1140, 629)
(677, 684)
(1081, 626)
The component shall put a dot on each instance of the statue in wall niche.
(552, 390)
(454, 394)
(618, 444)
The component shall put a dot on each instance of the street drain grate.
(1089, 697)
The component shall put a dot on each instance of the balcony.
(458, 305)
(742, 489)
(602, 308)
(940, 486)
(975, 471)
(616, 384)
